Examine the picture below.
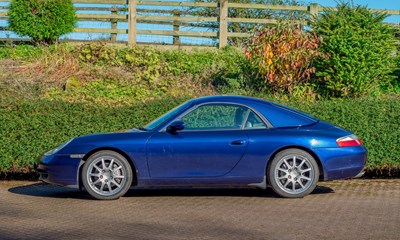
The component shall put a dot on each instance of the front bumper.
(43, 175)
(59, 169)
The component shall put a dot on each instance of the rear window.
(296, 111)
(282, 116)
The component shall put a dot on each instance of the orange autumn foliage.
(283, 54)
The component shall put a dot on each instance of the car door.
(210, 145)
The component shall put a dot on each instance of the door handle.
(238, 142)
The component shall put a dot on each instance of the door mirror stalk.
(176, 126)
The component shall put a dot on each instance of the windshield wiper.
(142, 128)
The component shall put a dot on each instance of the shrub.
(195, 71)
(359, 50)
(225, 69)
(42, 20)
(283, 55)
(97, 53)
(102, 73)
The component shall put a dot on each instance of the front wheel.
(106, 175)
(293, 173)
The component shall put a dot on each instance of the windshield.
(156, 123)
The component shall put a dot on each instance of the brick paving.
(352, 209)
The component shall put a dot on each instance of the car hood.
(99, 138)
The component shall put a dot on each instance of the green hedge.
(29, 128)
(374, 121)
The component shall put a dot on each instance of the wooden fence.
(128, 11)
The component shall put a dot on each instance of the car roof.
(229, 98)
(278, 115)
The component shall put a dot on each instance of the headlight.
(55, 150)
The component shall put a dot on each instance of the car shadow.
(51, 191)
(215, 192)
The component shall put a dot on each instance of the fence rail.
(133, 12)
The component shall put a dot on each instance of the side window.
(215, 116)
(254, 122)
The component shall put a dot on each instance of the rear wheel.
(293, 173)
(106, 175)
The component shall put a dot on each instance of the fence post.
(132, 22)
(176, 40)
(114, 24)
(313, 9)
(223, 23)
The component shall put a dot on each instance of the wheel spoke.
(294, 161)
(111, 164)
(119, 176)
(109, 186)
(118, 168)
(287, 164)
(96, 182)
(287, 183)
(282, 177)
(306, 178)
(102, 186)
(103, 164)
(116, 184)
(301, 164)
(305, 170)
(283, 170)
(98, 169)
(294, 186)
(94, 175)
(300, 183)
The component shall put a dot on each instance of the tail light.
(349, 141)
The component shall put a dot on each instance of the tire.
(106, 175)
(293, 180)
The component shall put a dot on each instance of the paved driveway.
(356, 209)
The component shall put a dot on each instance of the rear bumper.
(341, 163)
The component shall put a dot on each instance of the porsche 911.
(233, 141)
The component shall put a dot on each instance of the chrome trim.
(360, 174)
(76, 155)
(246, 118)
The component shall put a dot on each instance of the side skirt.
(262, 185)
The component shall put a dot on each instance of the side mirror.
(176, 126)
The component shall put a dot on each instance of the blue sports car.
(210, 141)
